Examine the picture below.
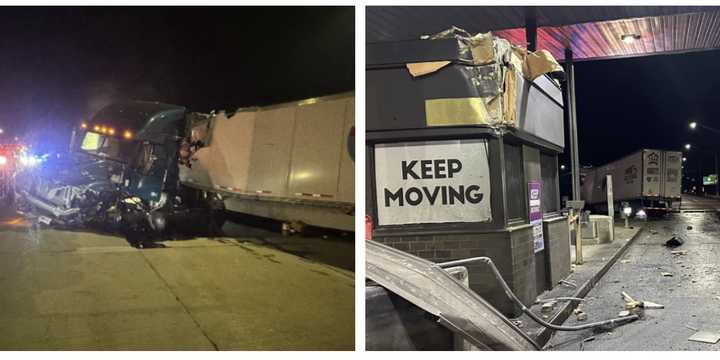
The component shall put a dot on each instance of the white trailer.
(287, 162)
(648, 179)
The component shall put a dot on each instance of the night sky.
(647, 102)
(61, 64)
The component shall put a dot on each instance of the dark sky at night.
(61, 64)
(647, 102)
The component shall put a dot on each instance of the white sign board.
(432, 182)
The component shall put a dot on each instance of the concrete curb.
(583, 290)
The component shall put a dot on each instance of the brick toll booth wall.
(497, 246)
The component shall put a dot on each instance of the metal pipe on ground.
(525, 309)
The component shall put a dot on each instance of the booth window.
(549, 176)
(515, 183)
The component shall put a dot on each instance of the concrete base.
(528, 273)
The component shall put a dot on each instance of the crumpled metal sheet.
(479, 49)
(424, 68)
(434, 290)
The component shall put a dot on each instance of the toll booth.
(462, 162)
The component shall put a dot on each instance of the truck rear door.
(673, 171)
(652, 174)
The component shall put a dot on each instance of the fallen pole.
(525, 309)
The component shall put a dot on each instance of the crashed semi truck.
(148, 167)
(648, 180)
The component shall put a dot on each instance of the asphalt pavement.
(72, 290)
(686, 283)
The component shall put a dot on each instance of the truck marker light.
(127, 134)
(83, 126)
(96, 128)
(111, 131)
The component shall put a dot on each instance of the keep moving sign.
(432, 182)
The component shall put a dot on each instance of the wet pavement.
(691, 203)
(249, 290)
(690, 294)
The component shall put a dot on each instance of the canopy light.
(630, 38)
(684, 159)
(693, 125)
(687, 146)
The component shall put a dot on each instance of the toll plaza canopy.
(591, 32)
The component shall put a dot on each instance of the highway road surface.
(253, 290)
(691, 203)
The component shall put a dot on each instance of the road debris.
(691, 328)
(581, 316)
(689, 227)
(666, 274)
(709, 337)
(548, 307)
(518, 323)
(558, 299)
(679, 252)
(624, 261)
(631, 304)
(652, 305)
(624, 313)
(582, 343)
(568, 283)
(675, 241)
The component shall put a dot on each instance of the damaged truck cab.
(121, 172)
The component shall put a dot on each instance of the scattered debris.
(666, 274)
(679, 252)
(675, 241)
(654, 232)
(558, 299)
(624, 313)
(582, 343)
(630, 303)
(705, 336)
(652, 305)
(691, 328)
(568, 283)
(624, 261)
(581, 316)
(689, 227)
(518, 323)
(548, 307)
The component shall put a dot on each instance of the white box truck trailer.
(287, 162)
(647, 179)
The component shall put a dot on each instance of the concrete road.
(691, 203)
(69, 290)
(691, 294)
